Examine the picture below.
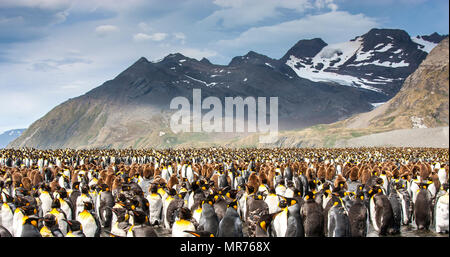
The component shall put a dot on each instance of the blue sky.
(53, 50)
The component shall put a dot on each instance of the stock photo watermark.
(220, 119)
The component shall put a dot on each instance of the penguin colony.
(216, 192)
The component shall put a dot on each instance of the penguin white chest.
(280, 223)
(272, 201)
(442, 214)
(197, 214)
(17, 223)
(88, 223)
(373, 214)
(180, 226)
(7, 217)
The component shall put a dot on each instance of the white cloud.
(104, 30)
(144, 26)
(42, 4)
(180, 36)
(234, 13)
(335, 26)
(142, 37)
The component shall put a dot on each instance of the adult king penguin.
(231, 224)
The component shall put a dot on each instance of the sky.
(54, 50)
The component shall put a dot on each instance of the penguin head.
(259, 195)
(28, 210)
(121, 198)
(76, 185)
(153, 189)
(291, 201)
(74, 225)
(209, 200)
(32, 220)
(181, 195)
(121, 213)
(184, 214)
(133, 204)
(172, 192)
(424, 185)
(264, 221)
(282, 202)
(50, 220)
(62, 193)
(88, 206)
(20, 201)
(360, 188)
(310, 196)
(139, 217)
(360, 196)
(85, 190)
(56, 204)
(231, 194)
(379, 181)
(233, 205)
(375, 190)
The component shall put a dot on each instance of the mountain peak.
(142, 60)
(305, 48)
(251, 57)
(205, 61)
(434, 37)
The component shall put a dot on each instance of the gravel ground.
(426, 137)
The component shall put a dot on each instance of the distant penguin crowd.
(221, 192)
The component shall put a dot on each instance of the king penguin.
(121, 226)
(30, 227)
(140, 227)
(294, 222)
(209, 220)
(66, 204)
(441, 211)
(89, 221)
(50, 228)
(338, 220)
(170, 197)
(7, 214)
(381, 213)
(156, 204)
(358, 216)
(256, 208)
(45, 199)
(106, 203)
(75, 229)
(272, 201)
(183, 223)
(231, 224)
(59, 215)
(280, 219)
(423, 211)
(312, 216)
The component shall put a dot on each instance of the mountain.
(8, 136)
(378, 61)
(132, 110)
(418, 115)
(421, 103)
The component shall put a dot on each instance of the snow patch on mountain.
(424, 45)
(322, 76)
